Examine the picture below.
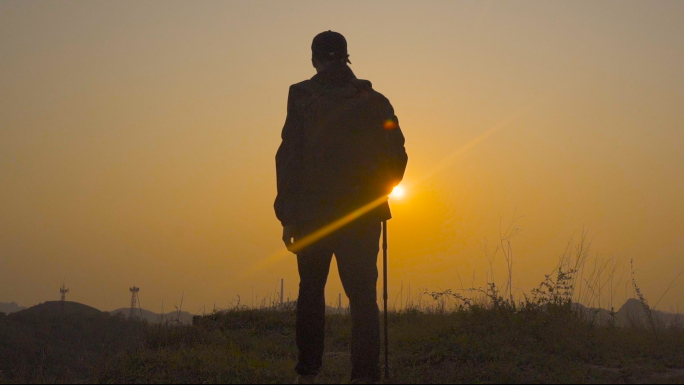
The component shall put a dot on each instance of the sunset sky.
(137, 142)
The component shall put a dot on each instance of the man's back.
(339, 152)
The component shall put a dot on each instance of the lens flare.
(390, 124)
(397, 192)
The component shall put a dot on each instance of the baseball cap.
(330, 45)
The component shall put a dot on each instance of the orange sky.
(137, 141)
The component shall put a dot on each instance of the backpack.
(351, 147)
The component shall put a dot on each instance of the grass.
(478, 344)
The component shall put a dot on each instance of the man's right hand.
(289, 233)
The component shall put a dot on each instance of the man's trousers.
(356, 248)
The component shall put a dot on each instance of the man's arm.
(289, 163)
(398, 159)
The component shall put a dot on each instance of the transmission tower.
(135, 299)
(63, 292)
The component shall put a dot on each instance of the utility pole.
(135, 298)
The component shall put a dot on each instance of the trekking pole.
(384, 295)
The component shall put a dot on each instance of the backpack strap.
(313, 89)
(361, 85)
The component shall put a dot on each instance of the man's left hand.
(289, 234)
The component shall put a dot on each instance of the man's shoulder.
(303, 88)
(302, 84)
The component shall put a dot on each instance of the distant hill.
(61, 340)
(57, 308)
(152, 317)
(9, 308)
(632, 313)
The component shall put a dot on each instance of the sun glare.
(397, 192)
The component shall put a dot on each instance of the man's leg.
(356, 251)
(314, 265)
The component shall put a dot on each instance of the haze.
(137, 142)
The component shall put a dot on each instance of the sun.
(397, 192)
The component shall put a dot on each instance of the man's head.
(328, 47)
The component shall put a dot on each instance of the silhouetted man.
(342, 150)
